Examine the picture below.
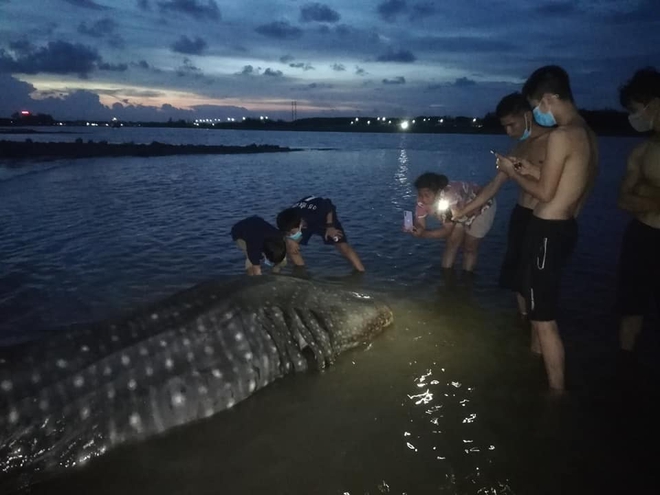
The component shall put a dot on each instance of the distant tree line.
(606, 122)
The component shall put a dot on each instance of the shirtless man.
(516, 117)
(639, 264)
(561, 188)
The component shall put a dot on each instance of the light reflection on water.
(447, 401)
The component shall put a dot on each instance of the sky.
(187, 59)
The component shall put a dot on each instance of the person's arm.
(628, 200)
(487, 193)
(293, 250)
(545, 188)
(253, 245)
(330, 230)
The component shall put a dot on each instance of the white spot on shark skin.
(111, 393)
(84, 348)
(135, 421)
(61, 363)
(186, 342)
(247, 356)
(13, 416)
(43, 404)
(7, 385)
(201, 327)
(202, 390)
(84, 413)
(78, 381)
(230, 403)
(252, 385)
(208, 412)
(169, 364)
(208, 350)
(107, 371)
(114, 338)
(125, 360)
(217, 373)
(178, 399)
(190, 357)
(162, 343)
(132, 384)
(143, 351)
(238, 337)
(149, 371)
(154, 316)
(36, 378)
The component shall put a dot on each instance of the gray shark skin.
(74, 395)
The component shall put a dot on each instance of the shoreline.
(91, 149)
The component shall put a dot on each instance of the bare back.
(649, 168)
(533, 150)
(578, 147)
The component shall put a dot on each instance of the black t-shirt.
(254, 231)
(314, 210)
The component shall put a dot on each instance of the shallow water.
(449, 400)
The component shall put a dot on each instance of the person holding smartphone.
(515, 115)
(437, 196)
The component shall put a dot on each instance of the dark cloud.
(86, 4)
(21, 47)
(196, 9)
(359, 71)
(58, 57)
(302, 65)
(317, 12)
(400, 56)
(560, 8)
(247, 70)
(273, 73)
(189, 46)
(188, 69)
(464, 82)
(99, 29)
(467, 44)
(279, 30)
(142, 64)
(422, 10)
(645, 11)
(390, 9)
(315, 86)
(396, 80)
(338, 67)
(343, 30)
(113, 67)
(143, 4)
(285, 59)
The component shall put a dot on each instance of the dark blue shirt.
(254, 231)
(314, 211)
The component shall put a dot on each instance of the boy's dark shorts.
(319, 230)
(639, 269)
(510, 272)
(547, 248)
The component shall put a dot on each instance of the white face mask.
(639, 122)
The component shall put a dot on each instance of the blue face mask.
(296, 236)
(266, 261)
(527, 132)
(546, 119)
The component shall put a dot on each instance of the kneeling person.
(314, 215)
(261, 242)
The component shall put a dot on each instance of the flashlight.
(443, 205)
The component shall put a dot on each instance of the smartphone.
(407, 221)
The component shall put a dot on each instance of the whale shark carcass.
(74, 395)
